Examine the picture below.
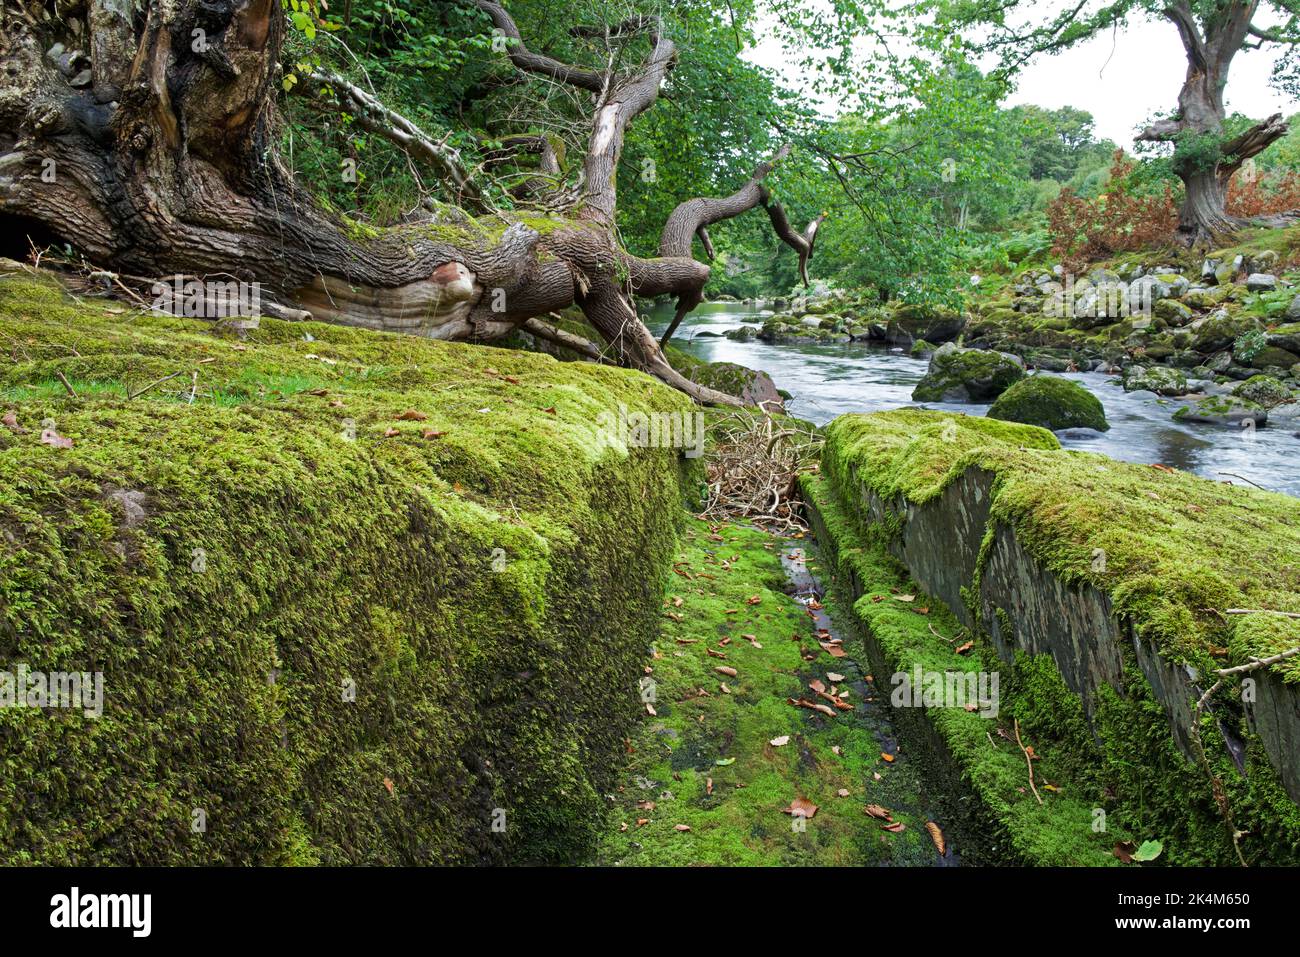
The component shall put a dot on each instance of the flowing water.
(829, 380)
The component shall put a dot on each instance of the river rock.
(1261, 282)
(1271, 356)
(967, 375)
(931, 323)
(1158, 379)
(1222, 410)
(1050, 402)
(1286, 337)
(1263, 390)
(1219, 330)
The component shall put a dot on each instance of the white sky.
(1142, 77)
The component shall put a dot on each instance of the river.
(830, 380)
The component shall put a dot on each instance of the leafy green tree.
(1207, 150)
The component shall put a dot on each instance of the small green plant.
(1249, 344)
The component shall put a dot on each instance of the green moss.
(1177, 546)
(1178, 551)
(1012, 826)
(729, 583)
(284, 548)
(1050, 402)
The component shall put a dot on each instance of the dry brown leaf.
(412, 415)
(801, 807)
(388, 783)
(725, 670)
(897, 827)
(876, 811)
(52, 438)
(833, 677)
(780, 742)
(887, 756)
(843, 792)
(390, 432)
(936, 835)
(681, 827)
(433, 434)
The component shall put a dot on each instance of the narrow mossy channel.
(719, 759)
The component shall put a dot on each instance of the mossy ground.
(1179, 551)
(705, 761)
(234, 563)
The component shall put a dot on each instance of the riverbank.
(1099, 592)
(343, 589)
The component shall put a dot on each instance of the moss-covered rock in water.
(967, 375)
(355, 597)
(1050, 402)
(931, 323)
(1229, 410)
(921, 349)
(1161, 380)
(1098, 589)
(1264, 390)
(751, 386)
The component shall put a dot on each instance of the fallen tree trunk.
(149, 145)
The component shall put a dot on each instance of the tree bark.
(161, 160)
(1210, 46)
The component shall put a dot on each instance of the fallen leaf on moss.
(412, 415)
(832, 676)
(936, 835)
(780, 742)
(887, 756)
(905, 598)
(898, 827)
(681, 827)
(52, 438)
(801, 807)
(725, 670)
(843, 792)
(388, 783)
(390, 432)
(876, 811)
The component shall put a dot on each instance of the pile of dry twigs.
(752, 465)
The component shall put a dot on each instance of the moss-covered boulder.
(967, 375)
(355, 597)
(1220, 329)
(1050, 402)
(921, 349)
(1264, 390)
(751, 386)
(1227, 410)
(1161, 380)
(931, 323)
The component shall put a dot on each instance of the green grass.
(725, 738)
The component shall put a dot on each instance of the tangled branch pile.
(752, 467)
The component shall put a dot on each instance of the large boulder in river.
(1161, 380)
(931, 323)
(1264, 390)
(1226, 410)
(1051, 402)
(967, 375)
